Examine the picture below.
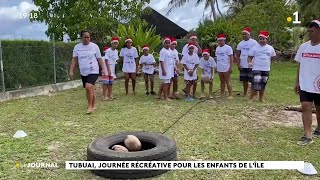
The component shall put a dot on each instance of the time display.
(30, 15)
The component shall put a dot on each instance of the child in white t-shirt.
(224, 54)
(261, 55)
(129, 57)
(147, 61)
(111, 57)
(208, 66)
(175, 57)
(190, 63)
(166, 69)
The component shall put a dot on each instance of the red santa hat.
(317, 21)
(193, 36)
(191, 44)
(166, 39)
(206, 51)
(105, 48)
(114, 39)
(128, 39)
(221, 37)
(145, 47)
(264, 34)
(173, 40)
(246, 30)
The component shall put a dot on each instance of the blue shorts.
(175, 75)
(107, 82)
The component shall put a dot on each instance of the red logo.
(311, 55)
(317, 84)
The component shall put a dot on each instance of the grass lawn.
(224, 130)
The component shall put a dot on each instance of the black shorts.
(91, 78)
(246, 74)
(309, 97)
(259, 80)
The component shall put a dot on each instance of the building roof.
(164, 26)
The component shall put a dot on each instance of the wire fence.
(30, 63)
(33, 63)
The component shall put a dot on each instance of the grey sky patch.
(15, 25)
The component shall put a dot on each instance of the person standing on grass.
(197, 50)
(88, 56)
(129, 57)
(147, 61)
(308, 80)
(261, 56)
(224, 54)
(166, 69)
(190, 63)
(111, 57)
(175, 57)
(208, 66)
(243, 50)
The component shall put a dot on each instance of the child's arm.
(164, 73)
(231, 63)
(250, 61)
(212, 72)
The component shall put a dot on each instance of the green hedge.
(31, 63)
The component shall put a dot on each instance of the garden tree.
(208, 3)
(268, 15)
(235, 6)
(101, 17)
(140, 35)
(309, 10)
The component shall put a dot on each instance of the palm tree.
(208, 3)
(309, 9)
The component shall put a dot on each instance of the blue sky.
(14, 25)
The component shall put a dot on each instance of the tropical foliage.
(270, 15)
(140, 35)
(101, 17)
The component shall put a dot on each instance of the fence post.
(54, 60)
(2, 72)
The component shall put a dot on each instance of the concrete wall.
(39, 90)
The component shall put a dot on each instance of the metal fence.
(26, 66)
(23, 66)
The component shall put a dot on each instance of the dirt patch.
(54, 145)
(269, 117)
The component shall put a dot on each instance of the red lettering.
(311, 55)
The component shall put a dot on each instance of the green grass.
(59, 131)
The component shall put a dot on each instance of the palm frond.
(176, 4)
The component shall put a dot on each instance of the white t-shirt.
(87, 58)
(309, 58)
(245, 47)
(129, 62)
(175, 56)
(190, 61)
(185, 50)
(165, 56)
(223, 59)
(207, 66)
(262, 57)
(147, 63)
(111, 56)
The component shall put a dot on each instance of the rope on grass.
(176, 121)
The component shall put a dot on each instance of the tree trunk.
(213, 9)
(218, 8)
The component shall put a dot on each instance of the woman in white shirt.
(88, 56)
(129, 57)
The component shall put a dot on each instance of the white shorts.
(166, 81)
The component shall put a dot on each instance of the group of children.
(170, 65)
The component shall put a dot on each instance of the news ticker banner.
(183, 165)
